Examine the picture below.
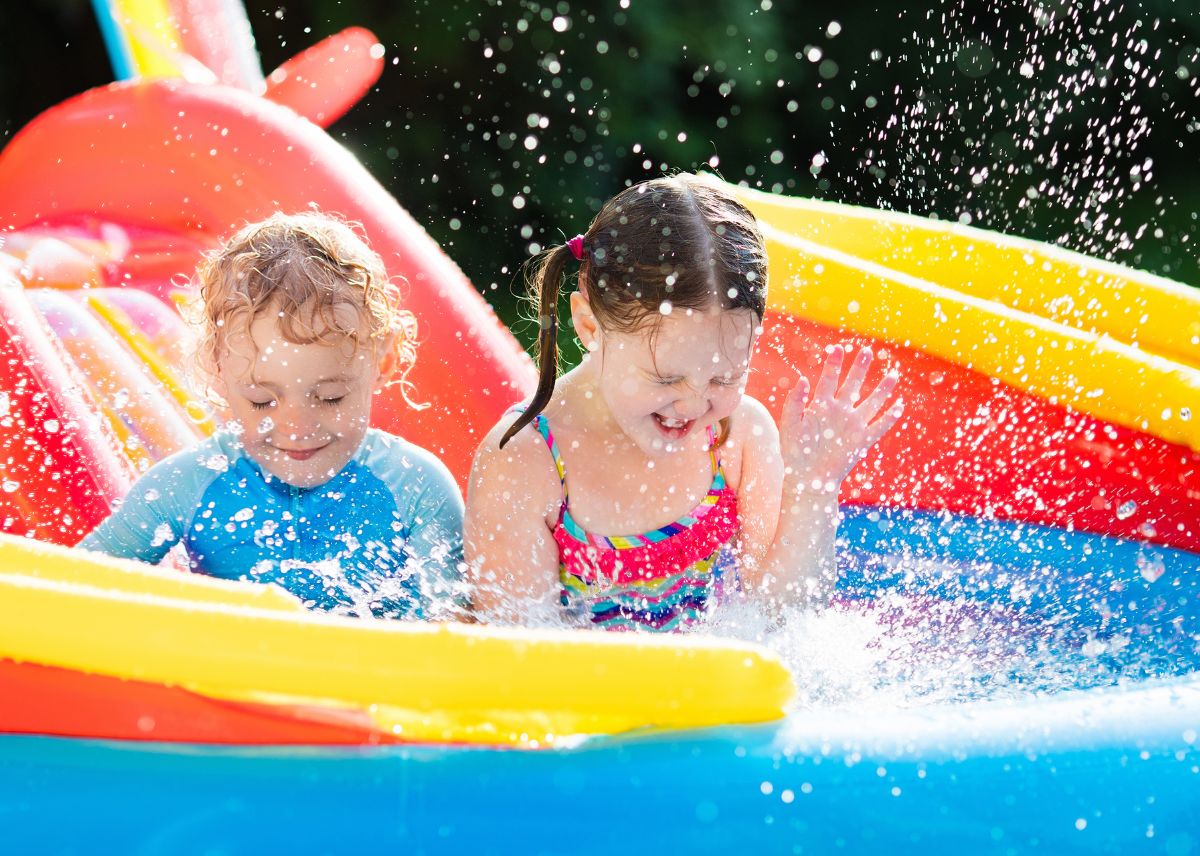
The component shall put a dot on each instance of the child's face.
(303, 410)
(664, 388)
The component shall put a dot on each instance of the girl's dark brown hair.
(682, 239)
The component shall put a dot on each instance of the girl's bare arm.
(822, 437)
(508, 544)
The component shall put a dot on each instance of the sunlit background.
(501, 125)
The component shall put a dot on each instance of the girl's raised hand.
(822, 438)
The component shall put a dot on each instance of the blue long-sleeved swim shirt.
(382, 537)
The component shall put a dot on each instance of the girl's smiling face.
(666, 382)
(303, 409)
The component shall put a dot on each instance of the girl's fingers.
(874, 402)
(852, 387)
(877, 429)
(796, 401)
(830, 373)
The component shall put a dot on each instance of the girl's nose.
(692, 407)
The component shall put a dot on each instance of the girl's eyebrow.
(731, 375)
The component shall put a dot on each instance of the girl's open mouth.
(673, 429)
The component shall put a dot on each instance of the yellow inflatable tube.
(440, 683)
(51, 563)
(1137, 308)
(1091, 373)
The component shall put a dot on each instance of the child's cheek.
(727, 400)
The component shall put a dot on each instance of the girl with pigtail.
(653, 434)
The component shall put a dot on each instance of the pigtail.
(547, 282)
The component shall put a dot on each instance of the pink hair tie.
(575, 245)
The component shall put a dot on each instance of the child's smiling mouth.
(301, 454)
(673, 429)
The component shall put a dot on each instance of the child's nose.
(692, 407)
(294, 421)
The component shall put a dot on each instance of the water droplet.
(1151, 568)
(162, 534)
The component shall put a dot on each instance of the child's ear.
(584, 321)
(387, 363)
(214, 377)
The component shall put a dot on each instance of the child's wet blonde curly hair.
(307, 269)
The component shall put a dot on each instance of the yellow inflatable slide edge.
(427, 682)
(1118, 344)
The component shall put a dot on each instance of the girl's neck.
(577, 396)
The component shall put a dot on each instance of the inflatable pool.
(1031, 531)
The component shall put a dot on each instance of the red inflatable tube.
(65, 703)
(324, 81)
(202, 160)
(141, 257)
(973, 445)
(61, 464)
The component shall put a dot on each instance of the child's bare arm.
(512, 495)
(821, 439)
(755, 437)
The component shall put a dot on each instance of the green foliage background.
(502, 124)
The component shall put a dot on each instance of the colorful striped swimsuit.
(665, 580)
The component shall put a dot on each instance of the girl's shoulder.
(523, 471)
(753, 440)
(752, 422)
(525, 449)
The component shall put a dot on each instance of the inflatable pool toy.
(1035, 394)
(1046, 475)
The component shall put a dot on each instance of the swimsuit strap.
(543, 427)
(542, 424)
(713, 454)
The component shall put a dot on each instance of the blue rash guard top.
(382, 537)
